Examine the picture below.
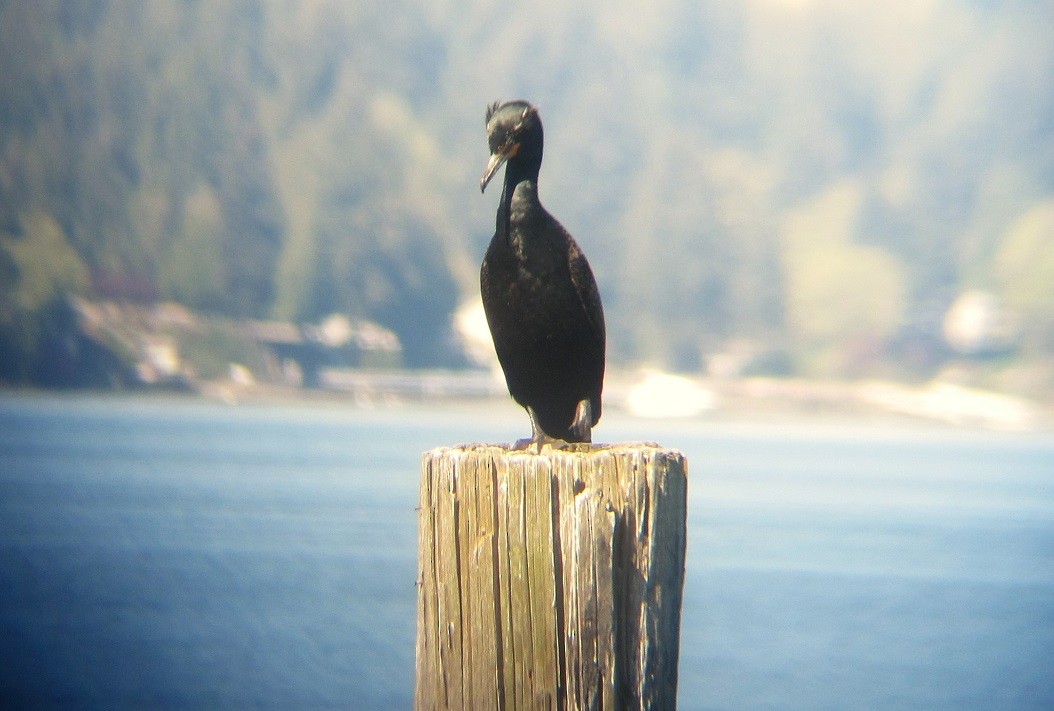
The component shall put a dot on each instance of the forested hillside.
(813, 180)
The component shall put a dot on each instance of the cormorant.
(539, 294)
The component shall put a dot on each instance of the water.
(182, 554)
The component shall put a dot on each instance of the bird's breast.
(527, 266)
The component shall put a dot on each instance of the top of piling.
(567, 450)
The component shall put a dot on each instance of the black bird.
(541, 300)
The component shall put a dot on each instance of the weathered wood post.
(550, 580)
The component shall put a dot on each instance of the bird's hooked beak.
(496, 160)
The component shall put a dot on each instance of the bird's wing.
(586, 288)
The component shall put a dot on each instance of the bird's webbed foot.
(538, 441)
(538, 438)
(580, 427)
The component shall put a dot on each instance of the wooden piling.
(550, 580)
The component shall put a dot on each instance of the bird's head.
(513, 129)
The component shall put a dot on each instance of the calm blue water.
(186, 554)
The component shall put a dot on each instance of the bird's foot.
(539, 441)
(580, 428)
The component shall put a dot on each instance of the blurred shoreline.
(642, 395)
(168, 350)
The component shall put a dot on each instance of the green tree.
(1025, 273)
(192, 262)
(844, 300)
(46, 265)
(39, 269)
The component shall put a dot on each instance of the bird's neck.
(516, 172)
(522, 167)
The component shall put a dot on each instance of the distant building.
(977, 325)
(335, 342)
